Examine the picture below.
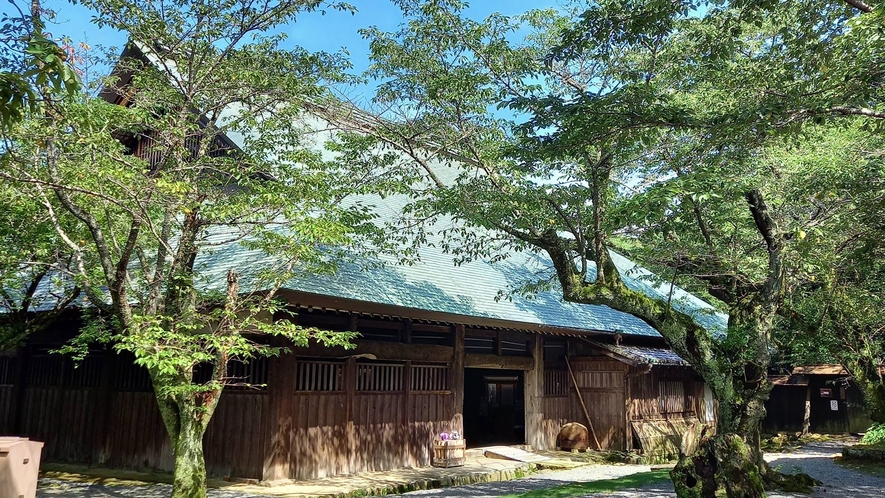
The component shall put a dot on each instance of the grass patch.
(583, 488)
(872, 468)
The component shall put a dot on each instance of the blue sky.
(330, 32)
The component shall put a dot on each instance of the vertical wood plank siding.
(60, 405)
(603, 385)
(386, 427)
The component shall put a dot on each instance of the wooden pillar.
(407, 332)
(407, 412)
(21, 384)
(458, 356)
(280, 417)
(628, 415)
(350, 431)
(534, 397)
(102, 422)
(806, 419)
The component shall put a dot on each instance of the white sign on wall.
(834, 405)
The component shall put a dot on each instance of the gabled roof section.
(437, 284)
(641, 355)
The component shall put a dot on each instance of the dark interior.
(494, 407)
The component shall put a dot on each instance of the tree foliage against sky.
(674, 132)
(137, 227)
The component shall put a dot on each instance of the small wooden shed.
(815, 398)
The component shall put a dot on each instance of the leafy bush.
(875, 435)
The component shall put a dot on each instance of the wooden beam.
(382, 350)
(502, 362)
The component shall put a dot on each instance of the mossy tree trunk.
(186, 417)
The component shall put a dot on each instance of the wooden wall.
(372, 416)
(100, 415)
(602, 381)
(785, 409)
(344, 417)
(664, 392)
(603, 385)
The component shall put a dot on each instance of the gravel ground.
(51, 488)
(815, 458)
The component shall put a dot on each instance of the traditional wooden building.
(413, 374)
(815, 398)
(439, 350)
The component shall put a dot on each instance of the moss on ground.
(790, 442)
(603, 486)
(871, 468)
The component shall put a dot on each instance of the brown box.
(449, 453)
(19, 467)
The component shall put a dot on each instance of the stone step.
(513, 453)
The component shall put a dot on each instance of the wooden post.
(21, 385)
(534, 397)
(102, 422)
(349, 395)
(407, 332)
(583, 406)
(407, 412)
(628, 406)
(279, 419)
(806, 420)
(458, 380)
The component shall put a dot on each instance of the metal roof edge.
(321, 301)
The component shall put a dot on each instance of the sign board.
(834, 405)
(826, 392)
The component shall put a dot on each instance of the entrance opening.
(494, 407)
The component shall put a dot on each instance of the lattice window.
(131, 377)
(672, 396)
(247, 376)
(379, 377)
(46, 370)
(86, 373)
(322, 376)
(556, 383)
(8, 365)
(430, 378)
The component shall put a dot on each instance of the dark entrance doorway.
(494, 407)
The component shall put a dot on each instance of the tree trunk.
(186, 416)
(190, 464)
(732, 460)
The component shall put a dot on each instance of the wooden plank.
(503, 362)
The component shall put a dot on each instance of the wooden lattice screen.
(430, 378)
(379, 377)
(556, 383)
(322, 376)
(8, 365)
(672, 396)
